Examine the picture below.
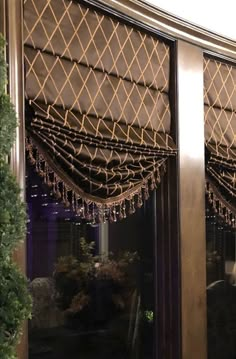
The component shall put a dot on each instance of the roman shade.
(220, 136)
(98, 112)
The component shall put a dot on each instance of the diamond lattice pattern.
(220, 126)
(220, 103)
(99, 93)
(99, 65)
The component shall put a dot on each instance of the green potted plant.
(92, 289)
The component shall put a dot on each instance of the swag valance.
(98, 107)
(220, 134)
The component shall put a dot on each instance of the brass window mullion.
(191, 188)
(14, 37)
(12, 27)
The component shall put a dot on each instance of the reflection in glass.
(221, 287)
(92, 285)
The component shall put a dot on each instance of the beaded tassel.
(92, 211)
(219, 207)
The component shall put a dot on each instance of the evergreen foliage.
(7, 125)
(12, 211)
(15, 302)
(2, 66)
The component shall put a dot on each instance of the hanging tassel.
(88, 215)
(146, 192)
(140, 200)
(219, 208)
(89, 210)
(56, 189)
(124, 209)
(111, 219)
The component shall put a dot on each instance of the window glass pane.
(221, 287)
(92, 285)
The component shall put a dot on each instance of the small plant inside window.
(90, 281)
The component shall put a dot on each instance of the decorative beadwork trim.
(223, 209)
(85, 205)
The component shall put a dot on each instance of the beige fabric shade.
(220, 132)
(99, 114)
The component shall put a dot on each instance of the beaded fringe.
(220, 207)
(92, 211)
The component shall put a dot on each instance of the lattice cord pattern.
(99, 118)
(220, 135)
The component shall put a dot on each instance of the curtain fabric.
(98, 115)
(220, 136)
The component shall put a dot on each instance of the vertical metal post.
(14, 37)
(192, 200)
(104, 239)
(16, 84)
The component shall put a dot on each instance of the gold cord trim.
(87, 206)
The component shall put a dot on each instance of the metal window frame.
(191, 41)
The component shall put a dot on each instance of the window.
(93, 286)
